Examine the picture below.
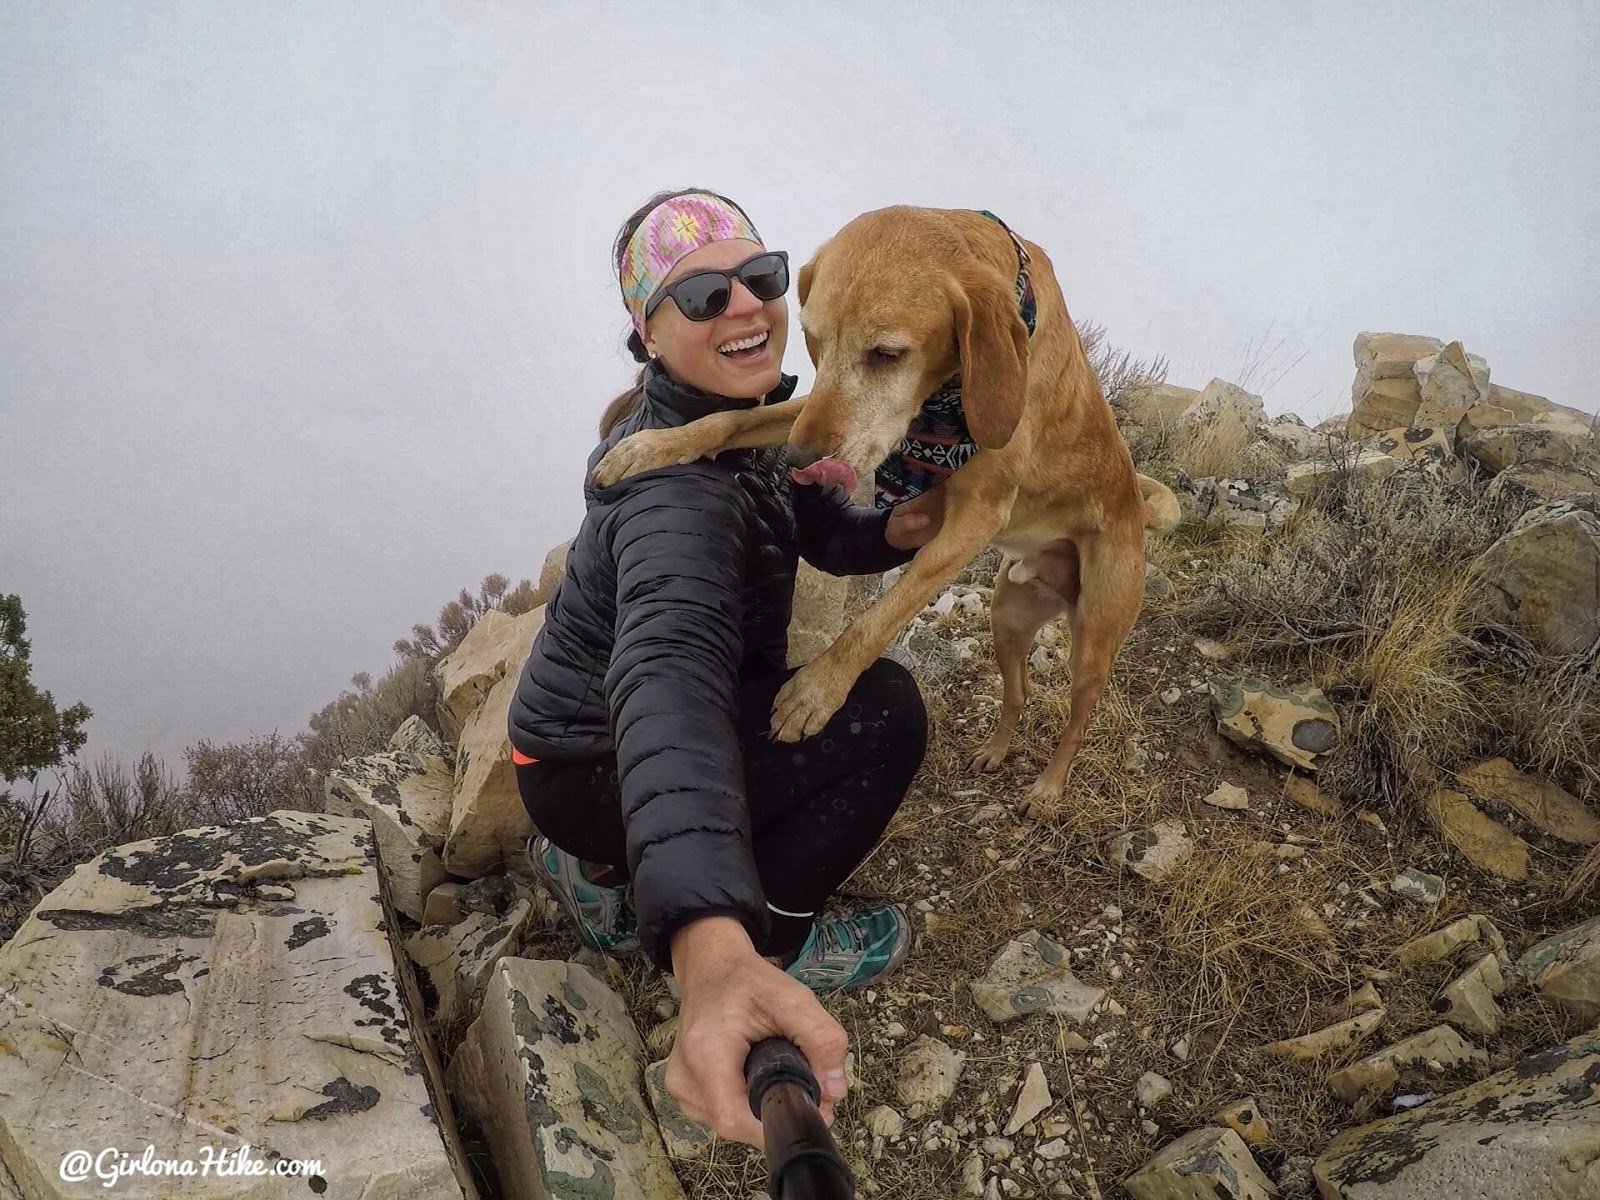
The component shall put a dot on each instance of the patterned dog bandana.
(939, 443)
(675, 228)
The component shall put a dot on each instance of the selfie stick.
(802, 1161)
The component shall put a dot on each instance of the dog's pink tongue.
(825, 471)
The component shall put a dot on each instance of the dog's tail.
(1161, 511)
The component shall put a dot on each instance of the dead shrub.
(1366, 593)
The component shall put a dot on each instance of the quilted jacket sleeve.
(678, 537)
(842, 538)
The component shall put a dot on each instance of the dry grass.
(1233, 932)
(1234, 951)
(1584, 877)
(1170, 449)
(1359, 594)
(1417, 709)
(1364, 593)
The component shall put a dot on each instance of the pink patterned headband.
(675, 228)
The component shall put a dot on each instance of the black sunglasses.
(705, 294)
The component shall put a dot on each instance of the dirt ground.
(1239, 948)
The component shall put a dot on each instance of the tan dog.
(894, 304)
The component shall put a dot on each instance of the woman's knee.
(577, 807)
(890, 692)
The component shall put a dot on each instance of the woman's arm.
(680, 544)
(678, 538)
(842, 538)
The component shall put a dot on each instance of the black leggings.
(817, 807)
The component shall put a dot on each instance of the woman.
(670, 821)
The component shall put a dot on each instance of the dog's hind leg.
(1018, 611)
(1111, 587)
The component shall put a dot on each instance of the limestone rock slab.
(1033, 1099)
(1296, 727)
(1553, 809)
(1031, 974)
(1204, 1164)
(1470, 999)
(1448, 384)
(407, 798)
(224, 985)
(1332, 1040)
(497, 644)
(1438, 1048)
(1368, 463)
(415, 736)
(929, 1073)
(1221, 403)
(684, 1138)
(551, 1069)
(1542, 483)
(460, 958)
(1485, 842)
(555, 566)
(1544, 576)
(817, 617)
(1386, 394)
(1443, 943)
(1566, 969)
(1530, 1131)
(1153, 853)
(489, 824)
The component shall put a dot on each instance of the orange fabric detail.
(521, 759)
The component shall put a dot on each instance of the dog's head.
(893, 305)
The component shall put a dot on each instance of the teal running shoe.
(603, 915)
(852, 950)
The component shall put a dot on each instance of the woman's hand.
(913, 524)
(732, 999)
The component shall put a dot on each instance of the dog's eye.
(881, 356)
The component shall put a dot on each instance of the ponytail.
(625, 405)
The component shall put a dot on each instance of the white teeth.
(743, 344)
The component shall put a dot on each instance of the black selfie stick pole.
(802, 1161)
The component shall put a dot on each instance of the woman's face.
(700, 353)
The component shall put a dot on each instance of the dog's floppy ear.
(994, 354)
(803, 282)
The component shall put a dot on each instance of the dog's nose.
(801, 457)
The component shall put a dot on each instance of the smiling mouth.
(742, 349)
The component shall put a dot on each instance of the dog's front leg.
(818, 689)
(731, 429)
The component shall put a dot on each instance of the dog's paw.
(1030, 810)
(647, 450)
(990, 755)
(1041, 800)
(804, 704)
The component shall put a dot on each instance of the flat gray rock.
(552, 1070)
(1530, 1131)
(223, 986)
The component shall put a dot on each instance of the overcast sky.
(307, 312)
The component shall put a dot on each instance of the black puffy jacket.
(678, 585)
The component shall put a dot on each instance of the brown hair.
(628, 402)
